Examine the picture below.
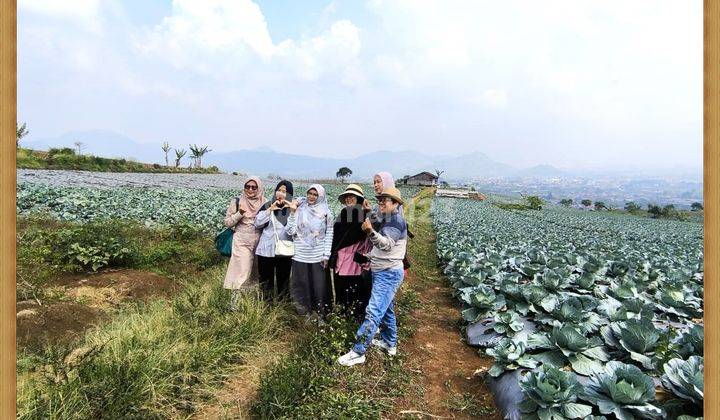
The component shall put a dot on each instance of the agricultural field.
(586, 314)
(121, 310)
(154, 200)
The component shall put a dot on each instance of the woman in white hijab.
(311, 226)
(240, 215)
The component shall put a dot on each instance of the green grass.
(154, 360)
(66, 158)
(48, 248)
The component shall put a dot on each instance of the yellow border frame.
(8, 110)
(8, 114)
(712, 206)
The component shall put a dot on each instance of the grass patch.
(154, 360)
(467, 404)
(310, 384)
(48, 248)
(67, 158)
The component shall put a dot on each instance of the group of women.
(298, 243)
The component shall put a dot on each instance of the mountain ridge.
(264, 160)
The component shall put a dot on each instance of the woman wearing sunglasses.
(310, 224)
(240, 216)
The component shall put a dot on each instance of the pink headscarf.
(387, 179)
(253, 204)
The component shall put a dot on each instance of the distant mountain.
(264, 160)
(541, 171)
(101, 143)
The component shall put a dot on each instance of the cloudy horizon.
(566, 83)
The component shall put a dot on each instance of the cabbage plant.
(684, 378)
(551, 393)
(639, 338)
(508, 323)
(568, 344)
(690, 342)
(479, 301)
(623, 390)
(509, 355)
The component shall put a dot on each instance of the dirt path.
(437, 350)
(234, 400)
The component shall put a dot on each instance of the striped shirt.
(305, 253)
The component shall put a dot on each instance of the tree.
(534, 202)
(599, 205)
(20, 132)
(696, 206)
(343, 173)
(179, 153)
(586, 202)
(80, 146)
(438, 172)
(668, 211)
(197, 153)
(654, 210)
(632, 207)
(567, 202)
(166, 148)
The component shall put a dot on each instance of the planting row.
(585, 314)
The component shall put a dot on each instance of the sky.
(575, 84)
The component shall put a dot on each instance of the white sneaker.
(392, 351)
(351, 358)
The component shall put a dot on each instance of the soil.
(81, 302)
(38, 326)
(447, 364)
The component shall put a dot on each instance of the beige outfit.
(245, 240)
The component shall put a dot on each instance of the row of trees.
(196, 154)
(633, 207)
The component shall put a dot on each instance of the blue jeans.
(379, 312)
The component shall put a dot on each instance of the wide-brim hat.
(393, 193)
(353, 189)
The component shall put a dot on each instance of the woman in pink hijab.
(240, 216)
(381, 181)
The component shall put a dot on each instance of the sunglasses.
(384, 199)
(251, 187)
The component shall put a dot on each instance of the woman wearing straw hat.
(241, 215)
(352, 289)
(386, 266)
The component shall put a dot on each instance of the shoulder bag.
(223, 242)
(283, 248)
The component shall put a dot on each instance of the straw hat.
(393, 193)
(352, 189)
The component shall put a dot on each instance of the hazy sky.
(569, 83)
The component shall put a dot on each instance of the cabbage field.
(586, 314)
(199, 200)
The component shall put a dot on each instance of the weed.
(153, 360)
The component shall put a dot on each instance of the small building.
(423, 179)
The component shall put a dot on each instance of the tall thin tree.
(80, 146)
(166, 148)
(21, 131)
(179, 153)
(438, 172)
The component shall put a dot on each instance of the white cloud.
(231, 40)
(83, 12)
(333, 52)
(492, 98)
